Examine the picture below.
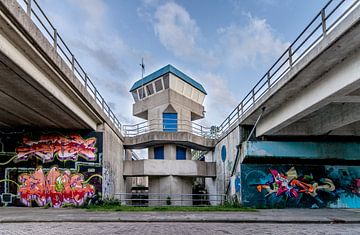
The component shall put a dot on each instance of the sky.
(226, 45)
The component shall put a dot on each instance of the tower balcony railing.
(169, 125)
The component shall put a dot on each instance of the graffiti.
(290, 185)
(300, 186)
(55, 188)
(52, 169)
(64, 147)
(355, 186)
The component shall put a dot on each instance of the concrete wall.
(114, 156)
(40, 168)
(219, 184)
(304, 186)
(162, 187)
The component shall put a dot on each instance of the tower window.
(159, 153)
(141, 92)
(166, 81)
(150, 89)
(170, 122)
(158, 85)
(180, 153)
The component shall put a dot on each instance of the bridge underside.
(25, 103)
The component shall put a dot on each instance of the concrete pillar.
(113, 156)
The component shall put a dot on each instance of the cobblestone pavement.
(176, 228)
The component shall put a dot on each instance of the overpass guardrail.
(325, 21)
(40, 19)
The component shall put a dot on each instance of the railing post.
(73, 63)
(323, 21)
(268, 79)
(242, 108)
(290, 56)
(238, 112)
(55, 39)
(28, 8)
(86, 80)
(253, 95)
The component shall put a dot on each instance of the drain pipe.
(239, 146)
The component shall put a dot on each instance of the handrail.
(65, 53)
(177, 125)
(288, 59)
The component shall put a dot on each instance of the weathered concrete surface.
(340, 43)
(309, 216)
(151, 167)
(114, 154)
(159, 138)
(40, 75)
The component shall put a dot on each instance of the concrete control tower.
(169, 101)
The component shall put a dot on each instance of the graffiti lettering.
(54, 188)
(64, 147)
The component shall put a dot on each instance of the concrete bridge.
(310, 96)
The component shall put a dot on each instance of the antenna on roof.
(142, 77)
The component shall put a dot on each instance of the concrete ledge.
(152, 167)
(159, 137)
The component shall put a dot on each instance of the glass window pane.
(166, 81)
(150, 89)
(170, 122)
(180, 153)
(159, 153)
(141, 92)
(135, 95)
(158, 85)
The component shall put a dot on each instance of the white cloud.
(176, 30)
(178, 33)
(220, 100)
(246, 46)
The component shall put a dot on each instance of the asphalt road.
(176, 228)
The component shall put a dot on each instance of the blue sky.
(226, 45)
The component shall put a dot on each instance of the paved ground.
(23, 214)
(176, 228)
(77, 221)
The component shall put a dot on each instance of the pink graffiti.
(64, 147)
(54, 188)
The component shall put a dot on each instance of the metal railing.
(169, 125)
(163, 199)
(329, 16)
(38, 16)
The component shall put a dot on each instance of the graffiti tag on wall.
(69, 170)
(64, 147)
(55, 188)
(300, 186)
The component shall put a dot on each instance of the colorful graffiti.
(64, 147)
(300, 186)
(55, 188)
(51, 169)
(291, 185)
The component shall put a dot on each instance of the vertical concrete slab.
(112, 164)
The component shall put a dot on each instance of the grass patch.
(166, 208)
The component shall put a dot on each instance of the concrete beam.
(341, 80)
(187, 168)
(325, 120)
(159, 137)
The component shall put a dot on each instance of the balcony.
(159, 131)
(150, 167)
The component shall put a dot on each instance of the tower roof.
(168, 69)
